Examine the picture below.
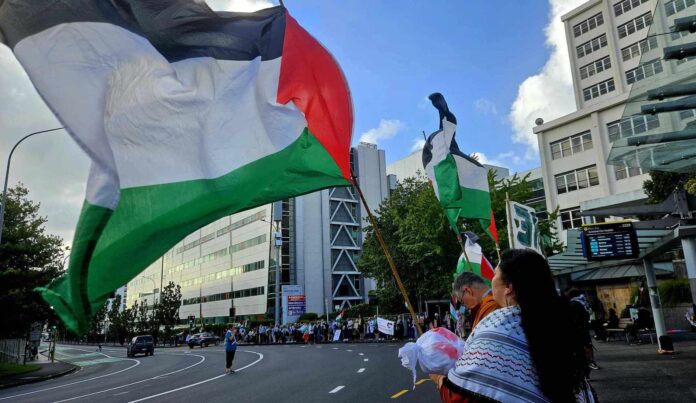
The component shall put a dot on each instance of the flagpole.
(511, 232)
(466, 257)
(390, 260)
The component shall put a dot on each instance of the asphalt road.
(278, 373)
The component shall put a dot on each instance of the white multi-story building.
(231, 262)
(610, 54)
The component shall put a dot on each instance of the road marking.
(335, 348)
(366, 359)
(122, 393)
(337, 388)
(202, 382)
(137, 362)
(397, 394)
(350, 351)
(422, 380)
(135, 383)
(361, 354)
(361, 370)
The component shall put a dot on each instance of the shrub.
(674, 291)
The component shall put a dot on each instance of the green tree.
(421, 242)
(29, 257)
(167, 310)
(115, 330)
(96, 330)
(662, 184)
(142, 320)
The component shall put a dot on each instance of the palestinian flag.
(479, 264)
(188, 115)
(339, 317)
(460, 182)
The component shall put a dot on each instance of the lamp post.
(7, 174)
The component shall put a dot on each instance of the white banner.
(385, 326)
(523, 227)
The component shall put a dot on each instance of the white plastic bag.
(436, 351)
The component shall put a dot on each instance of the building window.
(631, 126)
(683, 115)
(643, 71)
(675, 6)
(638, 48)
(598, 89)
(624, 171)
(571, 218)
(626, 5)
(592, 45)
(571, 145)
(595, 67)
(675, 35)
(578, 179)
(248, 243)
(635, 25)
(588, 25)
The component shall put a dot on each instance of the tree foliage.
(423, 245)
(29, 258)
(167, 310)
(662, 184)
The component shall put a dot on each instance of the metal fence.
(12, 350)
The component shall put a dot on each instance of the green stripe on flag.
(149, 220)
(459, 201)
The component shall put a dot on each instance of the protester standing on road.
(472, 291)
(517, 353)
(230, 347)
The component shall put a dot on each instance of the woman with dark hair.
(526, 351)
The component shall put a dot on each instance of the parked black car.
(144, 344)
(203, 340)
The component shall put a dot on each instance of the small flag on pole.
(479, 264)
(460, 182)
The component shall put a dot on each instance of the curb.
(43, 378)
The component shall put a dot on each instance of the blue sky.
(396, 53)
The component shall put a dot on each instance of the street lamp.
(154, 288)
(278, 242)
(7, 174)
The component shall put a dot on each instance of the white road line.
(361, 354)
(141, 381)
(122, 393)
(366, 359)
(201, 382)
(335, 348)
(137, 362)
(350, 351)
(361, 370)
(337, 388)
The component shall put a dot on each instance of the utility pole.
(278, 218)
(7, 175)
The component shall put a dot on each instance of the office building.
(610, 54)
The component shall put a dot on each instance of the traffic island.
(14, 375)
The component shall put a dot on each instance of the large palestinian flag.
(460, 182)
(187, 114)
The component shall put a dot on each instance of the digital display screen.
(609, 241)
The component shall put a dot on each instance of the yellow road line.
(394, 396)
(422, 380)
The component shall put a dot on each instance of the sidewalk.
(637, 373)
(47, 371)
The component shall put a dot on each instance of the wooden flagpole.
(390, 260)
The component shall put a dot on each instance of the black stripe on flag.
(178, 29)
(440, 104)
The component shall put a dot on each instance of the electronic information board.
(606, 241)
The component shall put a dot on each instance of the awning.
(621, 271)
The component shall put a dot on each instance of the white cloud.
(505, 160)
(387, 129)
(238, 5)
(418, 144)
(485, 107)
(548, 94)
